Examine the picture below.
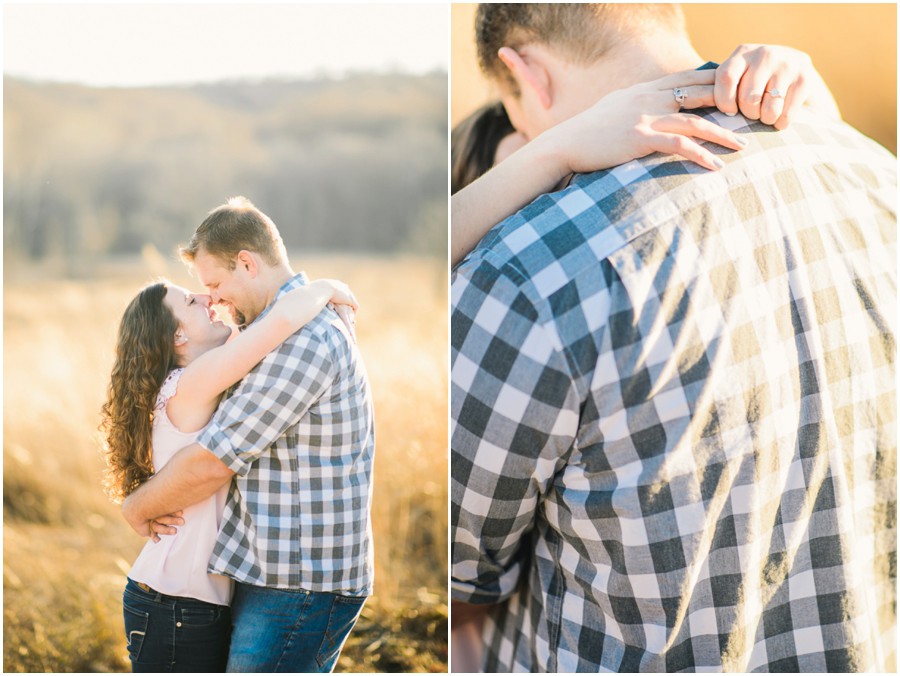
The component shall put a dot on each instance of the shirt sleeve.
(272, 397)
(514, 416)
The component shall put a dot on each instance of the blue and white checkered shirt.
(673, 414)
(298, 431)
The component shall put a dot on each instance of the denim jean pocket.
(136, 622)
(200, 617)
(344, 613)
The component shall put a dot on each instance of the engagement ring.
(775, 93)
(680, 95)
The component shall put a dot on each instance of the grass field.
(66, 549)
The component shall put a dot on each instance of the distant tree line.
(355, 164)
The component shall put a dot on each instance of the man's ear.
(528, 72)
(247, 261)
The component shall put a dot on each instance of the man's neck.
(275, 279)
(628, 64)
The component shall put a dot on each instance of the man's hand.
(151, 528)
(165, 525)
(138, 523)
(192, 475)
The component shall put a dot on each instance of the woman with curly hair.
(174, 360)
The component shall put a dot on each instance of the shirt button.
(178, 624)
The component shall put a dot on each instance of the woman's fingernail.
(731, 114)
(741, 141)
(719, 164)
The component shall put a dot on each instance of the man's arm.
(514, 416)
(271, 398)
(192, 475)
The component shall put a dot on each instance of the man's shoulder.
(555, 237)
(811, 137)
(320, 334)
(561, 235)
(589, 220)
(313, 344)
(315, 348)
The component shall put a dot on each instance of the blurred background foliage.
(356, 164)
(852, 45)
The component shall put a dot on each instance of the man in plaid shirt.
(297, 435)
(673, 401)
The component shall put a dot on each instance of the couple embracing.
(246, 458)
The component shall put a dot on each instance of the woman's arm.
(622, 126)
(210, 374)
(637, 121)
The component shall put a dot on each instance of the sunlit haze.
(141, 44)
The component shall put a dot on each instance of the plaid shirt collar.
(298, 280)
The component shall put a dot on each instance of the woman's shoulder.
(168, 388)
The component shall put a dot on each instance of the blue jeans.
(174, 633)
(279, 630)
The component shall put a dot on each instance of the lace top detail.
(168, 389)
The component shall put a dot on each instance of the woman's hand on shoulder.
(308, 300)
(771, 83)
(639, 120)
(341, 294)
(341, 298)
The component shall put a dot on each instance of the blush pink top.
(177, 564)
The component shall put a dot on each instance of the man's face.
(230, 288)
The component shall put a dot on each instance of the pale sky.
(126, 44)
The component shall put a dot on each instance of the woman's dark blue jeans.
(174, 633)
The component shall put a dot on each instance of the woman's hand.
(348, 316)
(771, 84)
(341, 294)
(640, 120)
(300, 305)
(344, 303)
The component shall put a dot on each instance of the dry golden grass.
(66, 549)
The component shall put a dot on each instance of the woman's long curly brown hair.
(145, 354)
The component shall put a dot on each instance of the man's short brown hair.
(234, 227)
(580, 32)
